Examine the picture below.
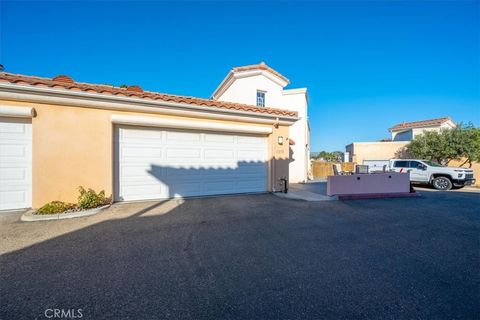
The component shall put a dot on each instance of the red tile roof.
(66, 83)
(261, 66)
(419, 124)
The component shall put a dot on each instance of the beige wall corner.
(280, 156)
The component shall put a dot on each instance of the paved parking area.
(250, 257)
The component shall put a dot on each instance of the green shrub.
(55, 207)
(89, 199)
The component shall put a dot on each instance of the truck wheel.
(442, 183)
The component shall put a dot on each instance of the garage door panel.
(184, 189)
(256, 169)
(219, 154)
(249, 155)
(218, 139)
(253, 166)
(12, 127)
(185, 138)
(251, 140)
(15, 129)
(136, 171)
(144, 135)
(141, 192)
(13, 151)
(220, 187)
(14, 175)
(190, 164)
(182, 173)
(141, 151)
(130, 181)
(251, 185)
(13, 199)
(183, 154)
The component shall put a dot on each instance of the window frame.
(264, 98)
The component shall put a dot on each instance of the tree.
(471, 146)
(461, 142)
(335, 156)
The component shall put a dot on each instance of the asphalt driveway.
(250, 257)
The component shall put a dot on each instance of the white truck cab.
(429, 172)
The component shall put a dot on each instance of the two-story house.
(407, 131)
(401, 135)
(57, 134)
(264, 87)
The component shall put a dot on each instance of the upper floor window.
(260, 98)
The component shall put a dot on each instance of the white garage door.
(156, 164)
(15, 163)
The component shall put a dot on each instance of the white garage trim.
(16, 112)
(189, 124)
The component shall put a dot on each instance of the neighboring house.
(377, 150)
(262, 86)
(58, 134)
(407, 131)
(402, 134)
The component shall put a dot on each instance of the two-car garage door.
(152, 163)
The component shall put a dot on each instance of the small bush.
(55, 207)
(89, 199)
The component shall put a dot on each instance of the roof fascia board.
(419, 127)
(294, 91)
(267, 74)
(223, 86)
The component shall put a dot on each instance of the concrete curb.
(29, 216)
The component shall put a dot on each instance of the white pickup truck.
(429, 172)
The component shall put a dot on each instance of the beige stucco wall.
(280, 157)
(73, 146)
(475, 167)
(360, 151)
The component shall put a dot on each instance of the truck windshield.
(433, 164)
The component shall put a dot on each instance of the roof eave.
(80, 98)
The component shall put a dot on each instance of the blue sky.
(367, 65)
